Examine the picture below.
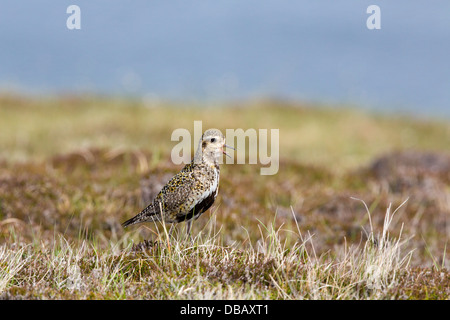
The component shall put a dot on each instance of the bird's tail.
(148, 214)
(131, 221)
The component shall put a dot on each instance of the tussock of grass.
(202, 267)
(11, 263)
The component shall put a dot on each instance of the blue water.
(315, 51)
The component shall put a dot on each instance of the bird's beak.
(224, 152)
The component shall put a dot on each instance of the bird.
(191, 191)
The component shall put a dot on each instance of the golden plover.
(193, 190)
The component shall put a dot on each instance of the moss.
(423, 284)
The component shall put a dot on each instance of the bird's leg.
(171, 230)
(188, 230)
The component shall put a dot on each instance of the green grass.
(71, 171)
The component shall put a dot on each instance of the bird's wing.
(170, 199)
(175, 194)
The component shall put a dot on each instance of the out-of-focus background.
(209, 51)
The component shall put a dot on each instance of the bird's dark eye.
(213, 139)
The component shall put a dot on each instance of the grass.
(333, 223)
(204, 268)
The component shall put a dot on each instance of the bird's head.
(212, 145)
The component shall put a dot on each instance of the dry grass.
(73, 169)
(205, 268)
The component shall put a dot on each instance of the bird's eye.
(213, 139)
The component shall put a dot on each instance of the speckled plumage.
(193, 190)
